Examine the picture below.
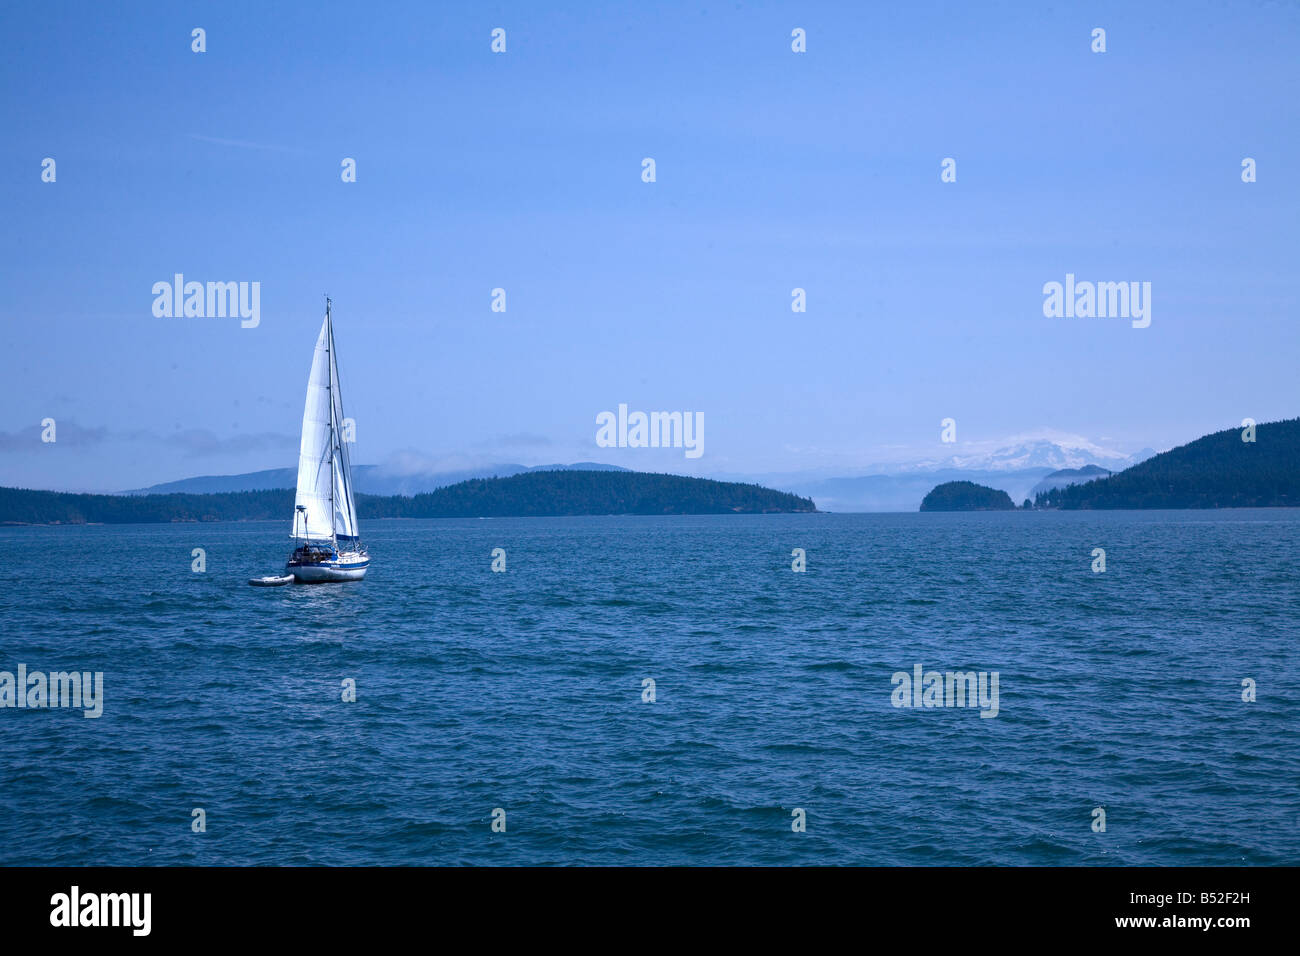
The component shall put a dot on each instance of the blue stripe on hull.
(328, 571)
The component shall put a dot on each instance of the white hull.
(342, 570)
(321, 574)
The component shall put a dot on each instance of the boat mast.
(339, 445)
(329, 351)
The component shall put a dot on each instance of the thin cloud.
(66, 433)
(244, 144)
(192, 442)
(522, 439)
(202, 443)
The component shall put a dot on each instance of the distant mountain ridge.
(366, 479)
(899, 487)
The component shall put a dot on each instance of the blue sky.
(522, 171)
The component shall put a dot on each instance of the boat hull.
(324, 571)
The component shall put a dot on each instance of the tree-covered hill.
(1217, 471)
(22, 506)
(966, 496)
(538, 493)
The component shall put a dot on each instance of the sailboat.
(327, 541)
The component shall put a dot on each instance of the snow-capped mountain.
(1033, 450)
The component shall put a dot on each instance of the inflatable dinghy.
(271, 580)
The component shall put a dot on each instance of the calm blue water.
(523, 691)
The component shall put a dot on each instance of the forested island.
(1217, 471)
(538, 493)
(966, 496)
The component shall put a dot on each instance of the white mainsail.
(324, 475)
